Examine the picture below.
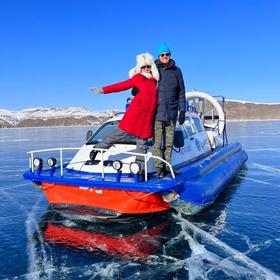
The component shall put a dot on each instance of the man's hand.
(97, 90)
(181, 117)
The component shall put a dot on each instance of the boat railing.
(102, 151)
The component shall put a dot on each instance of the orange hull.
(123, 202)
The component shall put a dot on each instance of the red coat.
(139, 117)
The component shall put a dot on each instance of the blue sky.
(52, 52)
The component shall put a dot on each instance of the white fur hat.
(142, 60)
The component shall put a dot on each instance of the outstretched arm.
(125, 85)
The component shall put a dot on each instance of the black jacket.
(171, 92)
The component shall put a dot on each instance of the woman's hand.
(97, 90)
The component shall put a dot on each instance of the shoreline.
(76, 126)
(55, 126)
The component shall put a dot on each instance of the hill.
(76, 116)
(245, 110)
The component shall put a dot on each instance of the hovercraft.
(112, 186)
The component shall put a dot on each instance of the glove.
(181, 117)
(97, 90)
(134, 91)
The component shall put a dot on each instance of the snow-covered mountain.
(75, 116)
(51, 117)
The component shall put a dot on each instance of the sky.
(53, 51)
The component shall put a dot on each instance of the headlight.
(51, 162)
(117, 165)
(135, 168)
(37, 162)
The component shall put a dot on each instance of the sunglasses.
(164, 54)
(146, 66)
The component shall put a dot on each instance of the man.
(171, 100)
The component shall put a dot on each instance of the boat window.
(107, 129)
(189, 127)
(196, 122)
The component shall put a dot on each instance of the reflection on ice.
(170, 247)
(136, 239)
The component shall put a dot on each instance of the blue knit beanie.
(163, 48)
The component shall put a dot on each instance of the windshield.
(107, 129)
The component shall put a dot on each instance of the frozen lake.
(237, 238)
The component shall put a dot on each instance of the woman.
(138, 120)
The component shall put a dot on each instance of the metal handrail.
(146, 158)
(49, 150)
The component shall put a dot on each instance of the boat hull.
(202, 190)
(118, 202)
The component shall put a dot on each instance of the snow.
(14, 117)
